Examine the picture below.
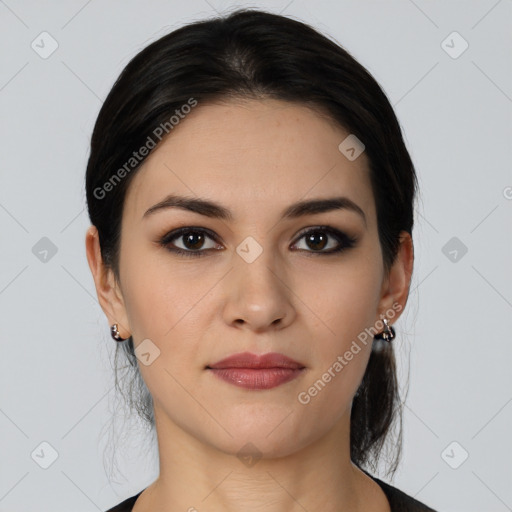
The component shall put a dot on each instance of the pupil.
(313, 237)
(189, 240)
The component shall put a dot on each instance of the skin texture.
(255, 157)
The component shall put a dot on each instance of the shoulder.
(126, 505)
(399, 500)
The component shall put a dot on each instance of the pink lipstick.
(251, 371)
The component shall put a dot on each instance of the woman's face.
(252, 280)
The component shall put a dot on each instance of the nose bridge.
(257, 268)
(257, 295)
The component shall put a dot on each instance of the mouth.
(255, 372)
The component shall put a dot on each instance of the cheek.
(345, 304)
(346, 301)
(169, 305)
(159, 295)
(145, 305)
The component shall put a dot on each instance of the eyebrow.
(216, 211)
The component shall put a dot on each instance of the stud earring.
(114, 332)
(387, 334)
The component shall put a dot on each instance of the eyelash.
(345, 241)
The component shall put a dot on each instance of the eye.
(322, 237)
(192, 240)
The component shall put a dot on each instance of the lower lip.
(250, 378)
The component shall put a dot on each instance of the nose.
(258, 296)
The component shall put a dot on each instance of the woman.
(251, 201)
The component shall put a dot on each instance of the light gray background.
(56, 380)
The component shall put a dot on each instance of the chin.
(252, 446)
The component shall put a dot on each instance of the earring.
(387, 334)
(114, 332)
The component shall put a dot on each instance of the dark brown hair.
(254, 54)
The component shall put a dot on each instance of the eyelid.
(174, 234)
(320, 227)
(340, 236)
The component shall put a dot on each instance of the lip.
(252, 371)
(254, 361)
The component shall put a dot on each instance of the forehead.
(257, 155)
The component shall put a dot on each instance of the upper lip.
(248, 360)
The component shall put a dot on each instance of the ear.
(107, 288)
(395, 287)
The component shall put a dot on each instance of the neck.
(196, 476)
